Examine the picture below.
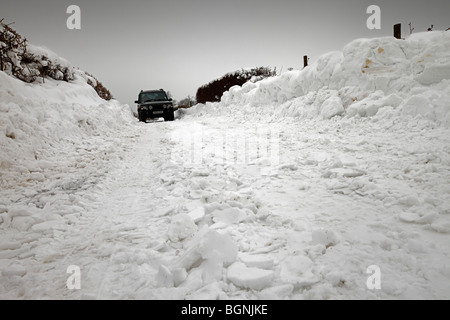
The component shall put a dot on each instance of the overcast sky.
(180, 45)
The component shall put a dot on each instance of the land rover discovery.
(154, 104)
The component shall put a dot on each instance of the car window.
(152, 96)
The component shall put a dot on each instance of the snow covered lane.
(366, 195)
(206, 208)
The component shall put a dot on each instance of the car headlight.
(144, 108)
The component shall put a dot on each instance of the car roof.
(147, 91)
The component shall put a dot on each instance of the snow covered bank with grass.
(384, 76)
(40, 119)
(44, 125)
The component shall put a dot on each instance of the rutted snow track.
(204, 208)
(329, 182)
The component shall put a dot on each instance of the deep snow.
(293, 187)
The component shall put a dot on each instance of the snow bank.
(406, 78)
(56, 138)
(37, 120)
(41, 120)
(48, 54)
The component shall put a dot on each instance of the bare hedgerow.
(16, 60)
(12, 48)
(99, 88)
(213, 91)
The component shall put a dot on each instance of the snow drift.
(384, 76)
(39, 119)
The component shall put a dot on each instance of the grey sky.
(181, 45)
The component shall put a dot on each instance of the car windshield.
(153, 96)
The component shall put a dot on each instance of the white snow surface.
(293, 187)
(385, 76)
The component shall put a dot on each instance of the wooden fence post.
(305, 61)
(398, 31)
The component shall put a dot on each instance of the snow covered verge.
(42, 128)
(381, 76)
(361, 181)
(56, 137)
(38, 120)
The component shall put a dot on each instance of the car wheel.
(171, 116)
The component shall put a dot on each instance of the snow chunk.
(348, 172)
(197, 214)
(212, 267)
(179, 275)
(181, 227)
(296, 270)
(221, 243)
(49, 226)
(416, 105)
(440, 227)
(203, 261)
(10, 245)
(427, 218)
(325, 237)
(252, 278)
(229, 216)
(332, 107)
(22, 223)
(14, 270)
(20, 211)
(257, 261)
(408, 217)
(164, 277)
(434, 73)
(206, 245)
(290, 166)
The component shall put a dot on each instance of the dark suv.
(155, 104)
